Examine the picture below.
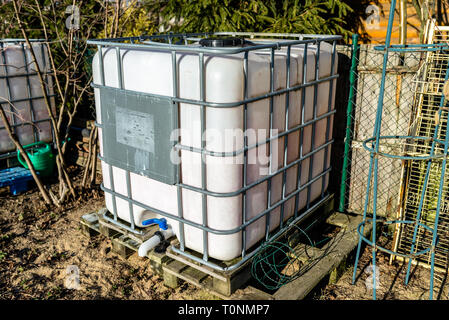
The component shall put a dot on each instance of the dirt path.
(37, 246)
(390, 279)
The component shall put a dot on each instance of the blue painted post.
(373, 156)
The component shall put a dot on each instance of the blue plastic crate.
(16, 178)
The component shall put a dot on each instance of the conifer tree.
(293, 16)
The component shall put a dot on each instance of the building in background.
(415, 13)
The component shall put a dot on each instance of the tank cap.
(224, 42)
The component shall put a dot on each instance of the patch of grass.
(126, 291)
(55, 293)
(204, 295)
(24, 284)
(2, 255)
(58, 256)
(5, 238)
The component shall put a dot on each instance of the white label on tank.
(135, 129)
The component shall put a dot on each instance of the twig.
(86, 170)
(93, 173)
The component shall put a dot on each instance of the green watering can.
(41, 156)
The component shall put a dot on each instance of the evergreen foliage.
(293, 16)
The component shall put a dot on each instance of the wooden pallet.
(176, 268)
(171, 266)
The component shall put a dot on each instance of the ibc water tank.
(21, 93)
(185, 132)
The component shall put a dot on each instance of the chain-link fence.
(397, 112)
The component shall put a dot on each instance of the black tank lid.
(224, 42)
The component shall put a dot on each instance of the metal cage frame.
(28, 73)
(168, 45)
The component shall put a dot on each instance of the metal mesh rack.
(174, 44)
(30, 94)
(430, 121)
(428, 147)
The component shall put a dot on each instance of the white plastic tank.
(15, 63)
(151, 72)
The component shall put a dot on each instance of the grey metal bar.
(229, 104)
(26, 123)
(101, 65)
(300, 36)
(24, 74)
(128, 178)
(203, 156)
(181, 216)
(123, 225)
(114, 201)
(111, 173)
(235, 193)
(32, 116)
(237, 152)
(119, 68)
(245, 153)
(287, 103)
(208, 229)
(178, 166)
(301, 134)
(267, 221)
(8, 155)
(129, 191)
(47, 88)
(186, 48)
(315, 100)
(328, 120)
(18, 40)
(25, 99)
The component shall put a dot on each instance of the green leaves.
(294, 16)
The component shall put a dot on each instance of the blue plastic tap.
(161, 222)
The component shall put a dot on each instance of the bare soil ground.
(37, 245)
(390, 280)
